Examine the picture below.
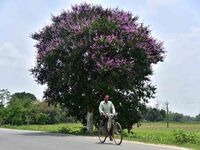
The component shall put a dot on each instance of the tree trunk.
(27, 120)
(90, 114)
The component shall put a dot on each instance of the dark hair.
(106, 95)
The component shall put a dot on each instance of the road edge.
(126, 141)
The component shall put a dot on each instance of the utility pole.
(167, 107)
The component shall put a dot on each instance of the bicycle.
(116, 130)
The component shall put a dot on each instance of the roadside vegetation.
(179, 134)
(24, 111)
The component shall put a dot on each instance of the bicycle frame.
(110, 122)
(105, 129)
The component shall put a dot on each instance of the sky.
(175, 22)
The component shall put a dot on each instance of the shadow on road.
(107, 143)
(43, 134)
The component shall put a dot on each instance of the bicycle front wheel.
(117, 133)
(102, 133)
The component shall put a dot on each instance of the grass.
(156, 133)
(54, 128)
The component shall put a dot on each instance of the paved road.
(31, 140)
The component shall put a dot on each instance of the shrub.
(182, 136)
(65, 130)
(72, 130)
(41, 118)
(130, 134)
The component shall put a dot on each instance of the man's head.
(106, 98)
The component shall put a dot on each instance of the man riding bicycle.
(106, 108)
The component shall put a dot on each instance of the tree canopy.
(24, 96)
(24, 108)
(89, 51)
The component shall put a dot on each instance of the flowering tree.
(90, 51)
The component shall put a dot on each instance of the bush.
(182, 136)
(130, 134)
(71, 130)
(65, 130)
(41, 118)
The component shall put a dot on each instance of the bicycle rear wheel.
(102, 133)
(117, 133)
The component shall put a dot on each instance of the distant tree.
(4, 97)
(154, 114)
(24, 96)
(15, 112)
(2, 115)
(163, 114)
(41, 118)
(53, 112)
(187, 118)
(21, 107)
(197, 118)
(90, 51)
(176, 117)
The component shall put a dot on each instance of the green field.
(159, 134)
(188, 134)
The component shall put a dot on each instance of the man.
(106, 107)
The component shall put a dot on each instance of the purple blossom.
(108, 63)
(128, 35)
